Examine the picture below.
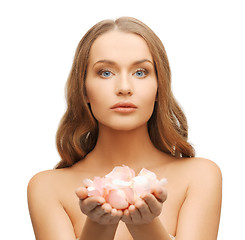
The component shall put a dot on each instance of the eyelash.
(145, 72)
(142, 70)
(100, 72)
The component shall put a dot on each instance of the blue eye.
(105, 73)
(140, 73)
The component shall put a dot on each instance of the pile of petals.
(121, 187)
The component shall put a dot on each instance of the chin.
(124, 123)
(124, 127)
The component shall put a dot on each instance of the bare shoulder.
(200, 212)
(194, 168)
(203, 168)
(49, 186)
(44, 180)
(55, 183)
(44, 201)
(203, 175)
(42, 177)
(43, 186)
(197, 172)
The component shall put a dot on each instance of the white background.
(205, 44)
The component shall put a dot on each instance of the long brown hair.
(78, 130)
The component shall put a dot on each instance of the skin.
(189, 206)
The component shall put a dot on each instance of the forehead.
(120, 47)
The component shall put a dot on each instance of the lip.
(124, 107)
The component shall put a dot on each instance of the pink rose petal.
(151, 176)
(117, 199)
(122, 173)
(162, 182)
(93, 192)
(130, 195)
(87, 182)
(141, 185)
(121, 187)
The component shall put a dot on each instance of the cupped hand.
(97, 209)
(145, 208)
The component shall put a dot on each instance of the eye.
(105, 73)
(141, 73)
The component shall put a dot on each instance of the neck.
(114, 148)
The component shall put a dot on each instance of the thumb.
(81, 193)
(160, 193)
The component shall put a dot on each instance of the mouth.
(124, 107)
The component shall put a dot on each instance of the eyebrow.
(114, 63)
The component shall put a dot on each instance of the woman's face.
(121, 83)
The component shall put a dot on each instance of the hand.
(97, 209)
(146, 208)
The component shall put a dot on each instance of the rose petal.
(117, 199)
(162, 182)
(152, 177)
(130, 196)
(87, 182)
(144, 171)
(120, 187)
(93, 192)
(141, 185)
(122, 173)
(120, 183)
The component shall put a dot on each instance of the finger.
(126, 217)
(106, 207)
(144, 210)
(116, 212)
(154, 205)
(116, 216)
(90, 203)
(135, 214)
(96, 213)
(81, 193)
(106, 217)
(161, 194)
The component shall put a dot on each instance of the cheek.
(96, 98)
(149, 93)
(92, 92)
(147, 99)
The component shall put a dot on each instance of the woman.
(121, 111)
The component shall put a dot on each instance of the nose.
(121, 91)
(124, 87)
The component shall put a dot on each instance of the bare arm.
(49, 218)
(200, 213)
(92, 230)
(152, 230)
